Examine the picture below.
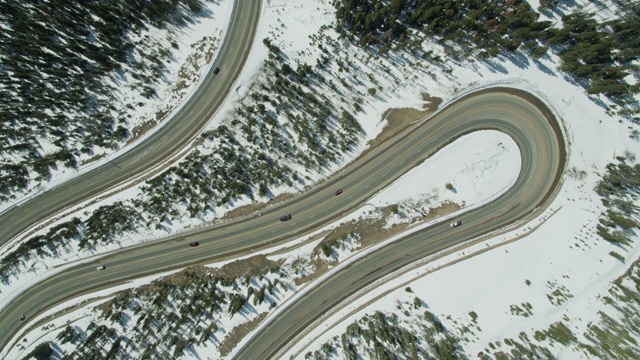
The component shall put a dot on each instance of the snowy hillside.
(80, 82)
(561, 285)
(214, 307)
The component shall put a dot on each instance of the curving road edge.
(525, 118)
(543, 160)
(154, 150)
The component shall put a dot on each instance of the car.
(22, 317)
(216, 71)
(101, 267)
(195, 243)
(285, 217)
(337, 192)
(456, 223)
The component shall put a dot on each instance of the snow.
(80, 317)
(559, 248)
(501, 159)
(480, 166)
(213, 21)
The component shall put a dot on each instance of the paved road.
(172, 137)
(543, 158)
(503, 109)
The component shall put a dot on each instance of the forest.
(599, 55)
(287, 121)
(56, 58)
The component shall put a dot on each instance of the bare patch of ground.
(320, 266)
(238, 333)
(253, 207)
(255, 265)
(142, 129)
(445, 208)
(188, 73)
(399, 120)
(205, 48)
(371, 230)
(244, 210)
(281, 197)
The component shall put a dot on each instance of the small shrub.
(617, 256)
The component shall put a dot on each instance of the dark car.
(338, 192)
(195, 243)
(216, 71)
(456, 224)
(21, 317)
(285, 217)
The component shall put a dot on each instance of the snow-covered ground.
(490, 165)
(204, 34)
(560, 249)
(493, 153)
(557, 250)
(197, 47)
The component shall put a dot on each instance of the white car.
(455, 224)
(101, 267)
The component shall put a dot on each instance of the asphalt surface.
(543, 157)
(511, 111)
(169, 139)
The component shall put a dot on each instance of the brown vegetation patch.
(320, 266)
(140, 130)
(399, 120)
(281, 197)
(121, 296)
(253, 207)
(255, 265)
(371, 231)
(432, 102)
(238, 333)
(91, 159)
(243, 210)
(445, 208)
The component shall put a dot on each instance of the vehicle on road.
(216, 71)
(456, 223)
(285, 217)
(101, 267)
(195, 243)
(337, 192)
(22, 317)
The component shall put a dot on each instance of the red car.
(195, 243)
(285, 217)
(338, 192)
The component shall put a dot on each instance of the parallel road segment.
(168, 140)
(517, 113)
(536, 131)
